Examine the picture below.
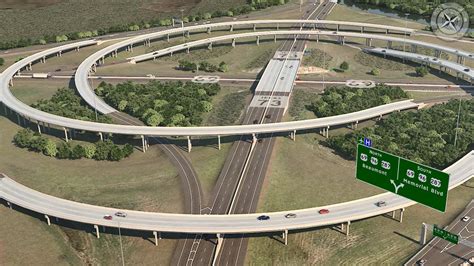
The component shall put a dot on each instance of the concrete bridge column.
(254, 138)
(187, 34)
(347, 228)
(386, 31)
(65, 134)
(190, 145)
(258, 40)
(210, 46)
(402, 210)
(30, 66)
(343, 40)
(414, 48)
(278, 26)
(143, 143)
(187, 50)
(424, 228)
(9, 205)
(327, 132)
(362, 29)
(101, 136)
(231, 28)
(209, 30)
(317, 38)
(18, 119)
(285, 236)
(293, 135)
(437, 53)
(47, 219)
(274, 38)
(38, 125)
(389, 44)
(368, 42)
(254, 27)
(219, 141)
(233, 42)
(168, 37)
(337, 27)
(156, 237)
(44, 59)
(97, 231)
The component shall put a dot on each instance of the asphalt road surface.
(441, 252)
(200, 249)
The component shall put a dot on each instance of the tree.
(50, 148)
(116, 153)
(375, 72)
(2, 61)
(154, 120)
(207, 16)
(42, 41)
(102, 150)
(207, 106)
(127, 150)
(64, 150)
(344, 66)
(23, 138)
(230, 13)
(78, 152)
(421, 71)
(223, 67)
(122, 105)
(89, 151)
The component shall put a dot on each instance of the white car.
(465, 218)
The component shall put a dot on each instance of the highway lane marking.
(463, 256)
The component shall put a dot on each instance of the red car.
(323, 211)
(108, 217)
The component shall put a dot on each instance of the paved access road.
(441, 252)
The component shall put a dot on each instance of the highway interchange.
(238, 186)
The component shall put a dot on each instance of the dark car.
(260, 140)
(263, 217)
(268, 116)
(323, 211)
(255, 121)
(466, 69)
(290, 215)
(108, 217)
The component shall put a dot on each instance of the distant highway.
(442, 252)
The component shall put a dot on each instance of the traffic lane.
(235, 246)
(442, 251)
(224, 189)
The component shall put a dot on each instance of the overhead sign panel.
(403, 177)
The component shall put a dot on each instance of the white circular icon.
(450, 21)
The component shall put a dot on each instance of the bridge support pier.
(327, 132)
(65, 134)
(47, 219)
(97, 230)
(424, 228)
(101, 136)
(285, 236)
(210, 46)
(39, 127)
(143, 143)
(219, 142)
(347, 228)
(275, 38)
(362, 29)
(9, 205)
(293, 135)
(190, 145)
(402, 210)
(209, 30)
(233, 42)
(156, 237)
(368, 42)
(254, 138)
(258, 40)
(231, 28)
(168, 37)
(278, 26)
(254, 27)
(389, 44)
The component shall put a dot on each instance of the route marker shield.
(403, 177)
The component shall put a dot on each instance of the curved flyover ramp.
(15, 193)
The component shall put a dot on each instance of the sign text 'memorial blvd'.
(403, 177)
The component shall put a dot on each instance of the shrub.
(116, 153)
(78, 152)
(50, 148)
(89, 151)
(23, 138)
(64, 150)
(344, 66)
(2, 61)
(127, 150)
(102, 150)
(421, 71)
(375, 72)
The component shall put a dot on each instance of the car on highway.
(260, 140)
(465, 218)
(263, 217)
(268, 116)
(381, 203)
(121, 214)
(290, 215)
(421, 262)
(466, 69)
(108, 217)
(323, 211)
(255, 121)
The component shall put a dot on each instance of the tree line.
(427, 136)
(65, 102)
(422, 8)
(102, 150)
(161, 104)
(252, 5)
(186, 65)
(342, 100)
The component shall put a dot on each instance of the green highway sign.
(403, 177)
(453, 238)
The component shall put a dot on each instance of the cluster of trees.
(421, 71)
(342, 100)
(427, 136)
(66, 103)
(344, 66)
(161, 104)
(419, 7)
(134, 26)
(203, 66)
(102, 150)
